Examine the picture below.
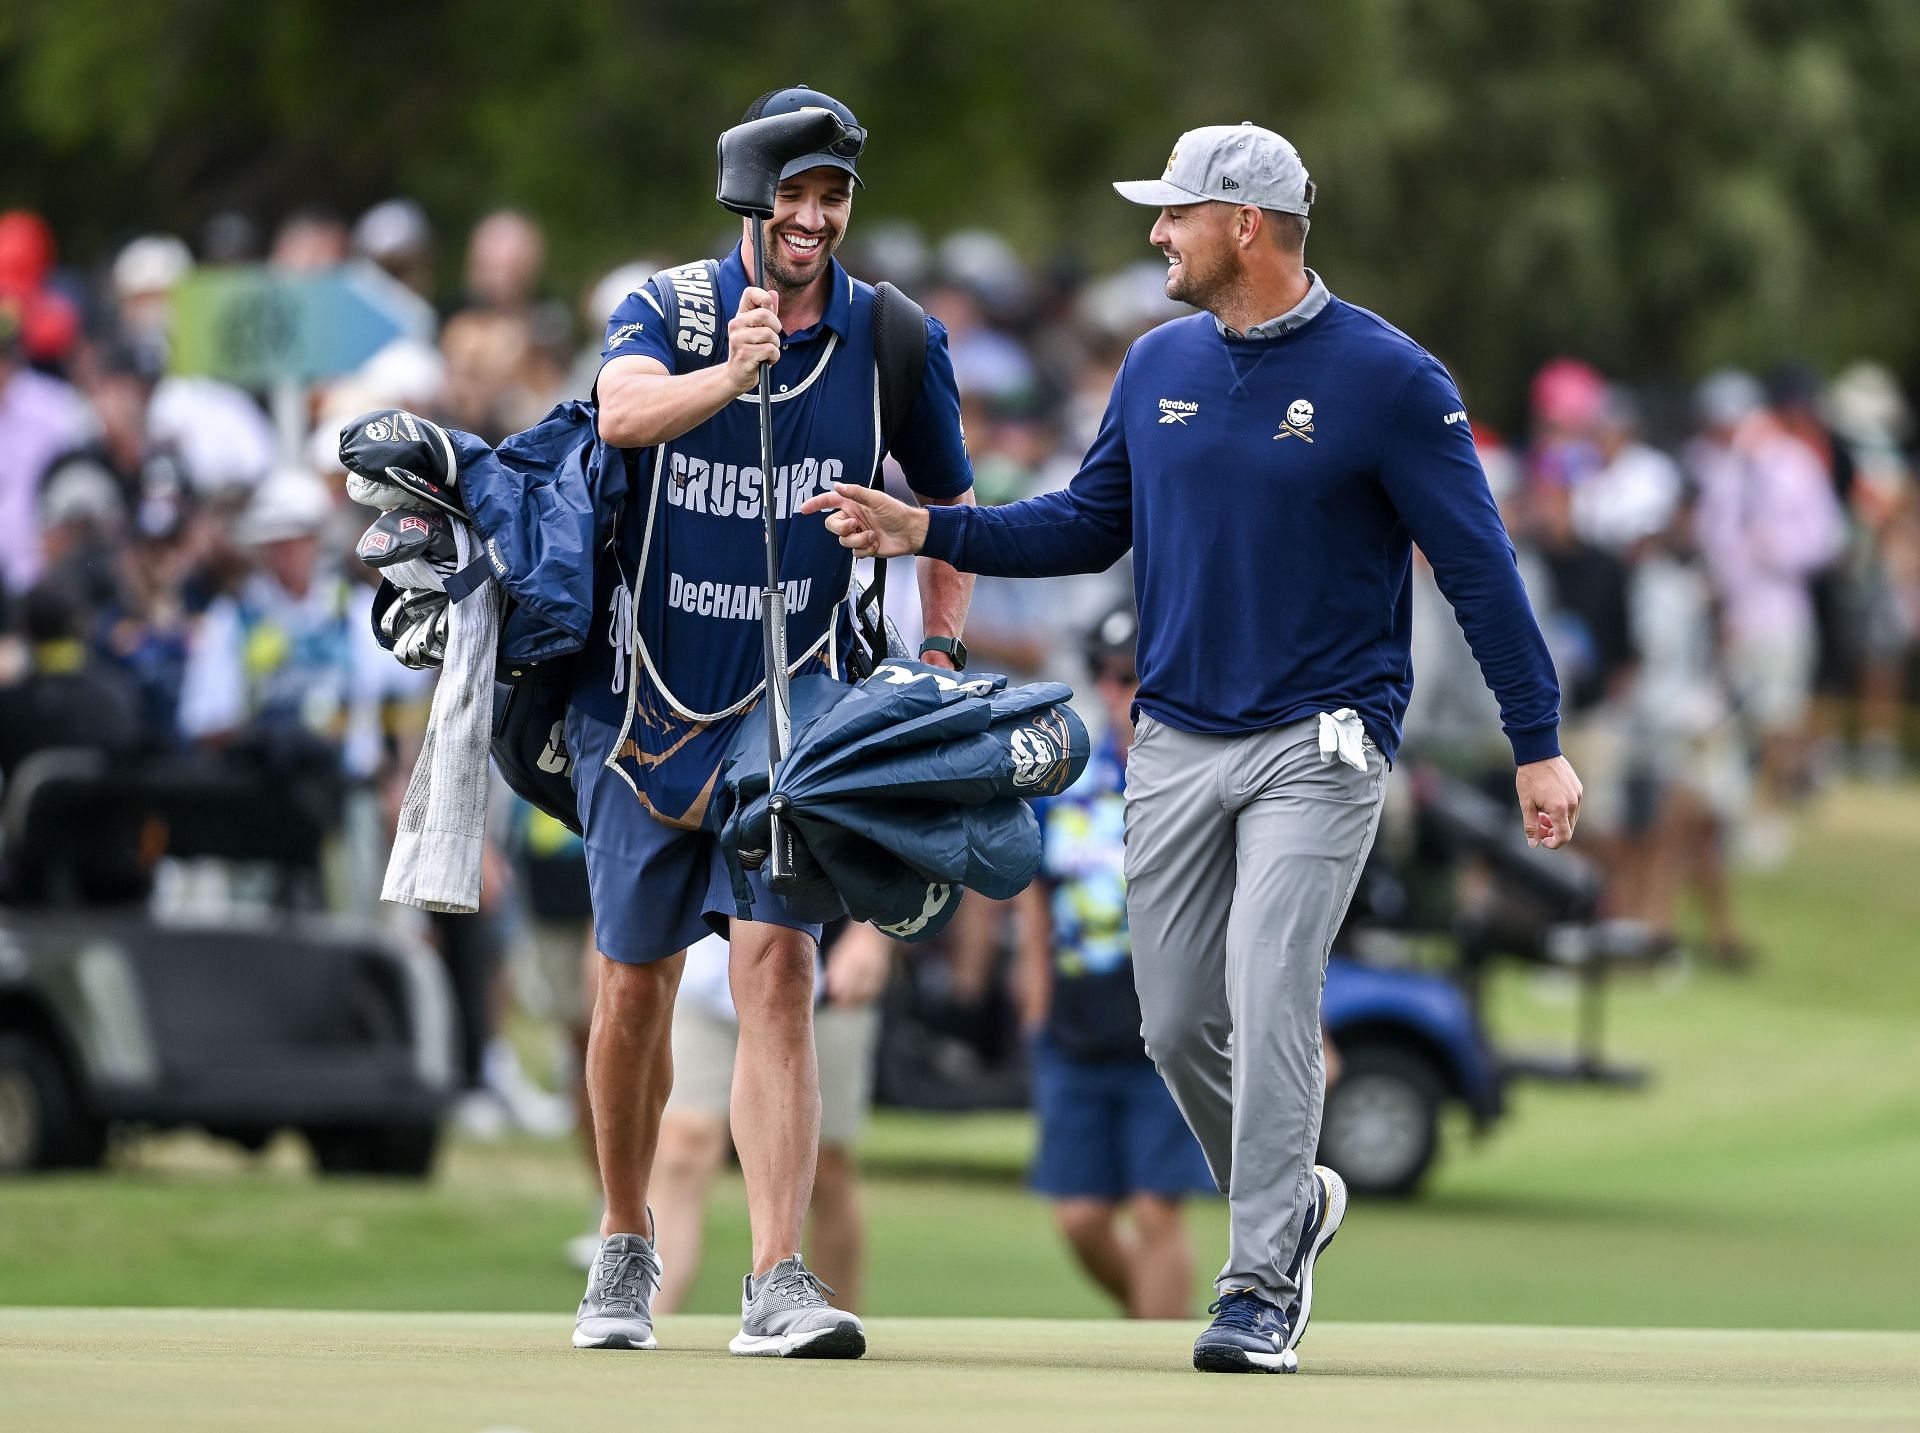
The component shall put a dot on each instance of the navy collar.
(839, 314)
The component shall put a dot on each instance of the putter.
(751, 158)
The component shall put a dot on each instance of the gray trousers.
(1243, 852)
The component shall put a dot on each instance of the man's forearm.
(945, 591)
(646, 406)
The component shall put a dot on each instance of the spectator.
(1567, 397)
(1873, 425)
(67, 698)
(1583, 614)
(1112, 1142)
(49, 317)
(145, 274)
(1632, 494)
(693, 1129)
(506, 351)
(286, 658)
(396, 235)
(40, 417)
(229, 237)
(311, 237)
(1685, 747)
(1768, 521)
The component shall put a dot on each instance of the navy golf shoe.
(1247, 1335)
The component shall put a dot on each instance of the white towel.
(437, 852)
(1342, 738)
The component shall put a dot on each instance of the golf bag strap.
(665, 285)
(900, 359)
(900, 354)
(469, 579)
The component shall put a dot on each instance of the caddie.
(676, 666)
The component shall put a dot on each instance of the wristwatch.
(951, 648)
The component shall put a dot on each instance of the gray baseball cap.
(1233, 163)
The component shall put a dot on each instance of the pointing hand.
(870, 523)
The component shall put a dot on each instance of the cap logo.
(1172, 155)
(1228, 183)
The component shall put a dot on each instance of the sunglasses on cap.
(850, 144)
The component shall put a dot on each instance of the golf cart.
(242, 1024)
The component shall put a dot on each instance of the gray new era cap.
(1234, 163)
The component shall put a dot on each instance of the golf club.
(751, 158)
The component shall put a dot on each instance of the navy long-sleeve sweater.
(1272, 490)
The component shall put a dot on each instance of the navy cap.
(798, 97)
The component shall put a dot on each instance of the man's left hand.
(1549, 801)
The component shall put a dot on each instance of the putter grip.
(779, 843)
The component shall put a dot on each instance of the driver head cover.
(396, 459)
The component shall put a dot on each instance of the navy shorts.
(1109, 1130)
(655, 889)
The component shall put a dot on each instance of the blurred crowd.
(1733, 613)
(1729, 578)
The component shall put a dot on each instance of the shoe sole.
(842, 1340)
(1330, 1226)
(616, 1341)
(1230, 1358)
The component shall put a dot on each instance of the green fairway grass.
(63, 1371)
(1765, 1180)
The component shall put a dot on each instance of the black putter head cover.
(753, 154)
(402, 534)
(397, 459)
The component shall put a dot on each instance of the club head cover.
(753, 153)
(402, 535)
(391, 448)
(416, 625)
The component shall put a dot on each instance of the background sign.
(258, 327)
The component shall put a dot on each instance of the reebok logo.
(1226, 183)
(1174, 410)
(1459, 415)
(623, 334)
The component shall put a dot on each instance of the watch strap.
(950, 647)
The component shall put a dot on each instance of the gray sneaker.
(785, 1314)
(617, 1311)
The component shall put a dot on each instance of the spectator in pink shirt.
(1768, 522)
(40, 417)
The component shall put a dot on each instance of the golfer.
(674, 670)
(1271, 461)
